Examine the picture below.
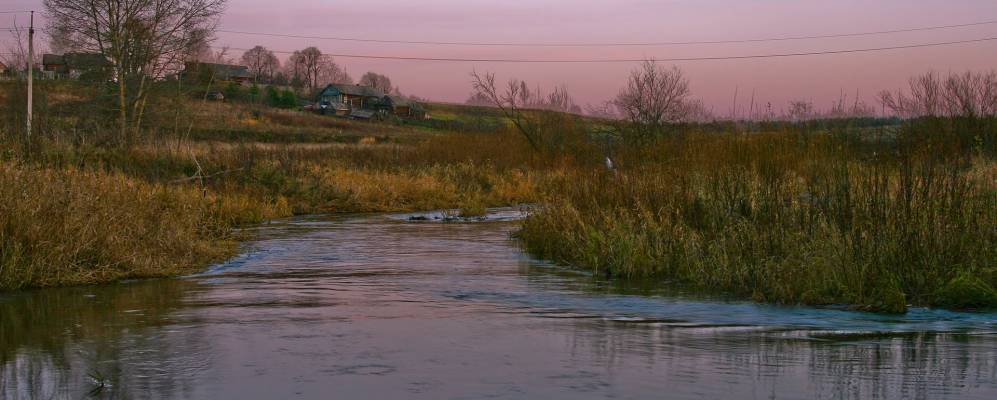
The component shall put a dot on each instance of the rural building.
(353, 96)
(3, 69)
(363, 102)
(396, 105)
(83, 66)
(217, 72)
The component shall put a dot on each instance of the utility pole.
(31, 69)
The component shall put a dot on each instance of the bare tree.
(294, 69)
(654, 96)
(330, 72)
(15, 56)
(311, 60)
(261, 63)
(270, 66)
(377, 81)
(512, 103)
(142, 39)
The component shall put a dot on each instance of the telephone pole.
(31, 69)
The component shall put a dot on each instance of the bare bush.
(654, 96)
(697, 111)
(970, 94)
(843, 108)
(801, 110)
(605, 110)
(478, 99)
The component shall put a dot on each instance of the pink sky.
(820, 78)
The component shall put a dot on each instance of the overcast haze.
(777, 80)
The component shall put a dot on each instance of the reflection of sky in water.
(378, 307)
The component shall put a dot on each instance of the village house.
(400, 106)
(83, 66)
(3, 69)
(216, 72)
(363, 102)
(352, 96)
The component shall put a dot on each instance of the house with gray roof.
(401, 106)
(83, 66)
(352, 96)
(216, 72)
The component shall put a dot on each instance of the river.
(381, 307)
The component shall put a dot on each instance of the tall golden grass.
(66, 227)
(75, 213)
(789, 218)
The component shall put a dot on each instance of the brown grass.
(67, 227)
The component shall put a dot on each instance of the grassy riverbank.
(67, 226)
(790, 217)
(74, 215)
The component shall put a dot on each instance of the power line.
(510, 44)
(593, 61)
(15, 12)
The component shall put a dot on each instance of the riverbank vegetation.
(873, 213)
(787, 217)
(874, 218)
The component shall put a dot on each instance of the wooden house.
(396, 105)
(84, 66)
(216, 72)
(352, 96)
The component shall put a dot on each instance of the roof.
(397, 101)
(355, 90)
(76, 60)
(52, 59)
(223, 71)
(362, 114)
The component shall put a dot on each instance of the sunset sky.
(776, 80)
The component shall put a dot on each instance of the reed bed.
(81, 214)
(67, 227)
(788, 218)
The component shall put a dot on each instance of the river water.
(379, 307)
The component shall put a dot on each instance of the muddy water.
(379, 307)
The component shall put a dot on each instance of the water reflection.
(377, 307)
(64, 343)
